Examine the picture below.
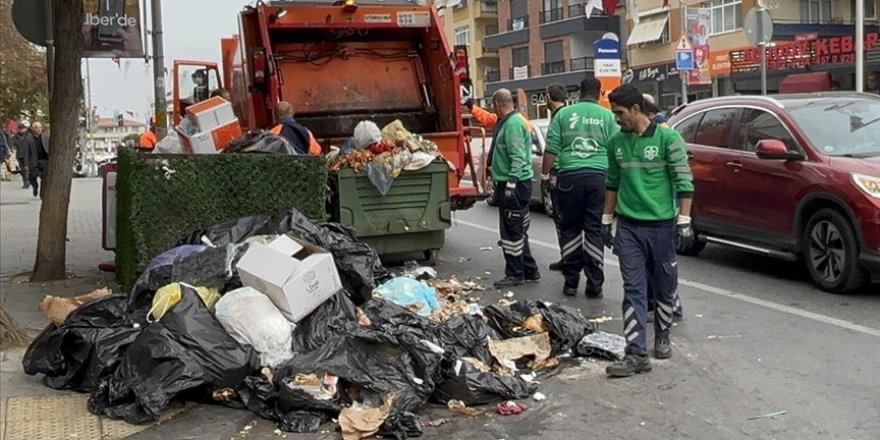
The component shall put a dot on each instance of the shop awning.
(647, 31)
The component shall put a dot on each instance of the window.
(870, 9)
(757, 125)
(552, 11)
(727, 15)
(716, 127)
(463, 36)
(688, 128)
(520, 56)
(817, 11)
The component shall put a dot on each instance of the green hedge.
(156, 208)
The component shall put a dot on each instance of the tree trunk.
(11, 334)
(64, 109)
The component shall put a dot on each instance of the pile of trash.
(384, 153)
(239, 314)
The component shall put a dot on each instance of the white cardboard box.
(211, 113)
(296, 275)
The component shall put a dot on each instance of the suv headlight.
(870, 185)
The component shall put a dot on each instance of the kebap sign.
(800, 54)
(112, 29)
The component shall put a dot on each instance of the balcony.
(552, 15)
(493, 75)
(487, 52)
(488, 10)
(575, 20)
(517, 32)
(553, 68)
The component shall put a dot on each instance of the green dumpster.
(412, 217)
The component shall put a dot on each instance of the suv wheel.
(831, 252)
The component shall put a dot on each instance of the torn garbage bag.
(86, 348)
(466, 383)
(602, 344)
(565, 324)
(250, 317)
(359, 266)
(187, 350)
(330, 320)
(467, 336)
(416, 296)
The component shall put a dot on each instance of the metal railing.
(492, 50)
(578, 64)
(553, 68)
(580, 10)
(493, 76)
(551, 15)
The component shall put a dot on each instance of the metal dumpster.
(412, 217)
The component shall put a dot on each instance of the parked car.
(790, 176)
(540, 191)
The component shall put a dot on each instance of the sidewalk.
(29, 410)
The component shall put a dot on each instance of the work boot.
(36, 190)
(630, 365)
(556, 266)
(594, 293)
(508, 282)
(533, 278)
(662, 348)
(570, 291)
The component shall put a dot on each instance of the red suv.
(791, 176)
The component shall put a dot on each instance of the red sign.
(799, 54)
(808, 36)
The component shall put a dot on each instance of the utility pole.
(83, 149)
(159, 71)
(683, 73)
(860, 45)
(763, 46)
(50, 47)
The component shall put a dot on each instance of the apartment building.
(544, 41)
(815, 35)
(466, 24)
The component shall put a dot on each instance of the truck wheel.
(831, 252)
(431, 257)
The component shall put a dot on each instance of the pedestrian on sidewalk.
(649, 191)
(577, 141)
(556, 97)
(5, 141)
(512, 173)
(36, 157)
(22, 152)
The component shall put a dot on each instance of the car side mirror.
(774, 149)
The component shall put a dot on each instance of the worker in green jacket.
(512, 174)
(649, 192)
(577, 142)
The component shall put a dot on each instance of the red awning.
(806, 82)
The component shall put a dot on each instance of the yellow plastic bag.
(166, 297)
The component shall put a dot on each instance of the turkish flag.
(610, 6)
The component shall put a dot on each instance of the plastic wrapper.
(187, 351)
(366, 133)
(420, 159)
(303, 422)
(602, 344)
(380, 176)
(250, 317)
(259, 141)
(170, 144)
(359, 265)
(565, 324)
(167, 296)
(86, 348)
(413, 295)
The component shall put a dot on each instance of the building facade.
(466, 24)
(544, 41)
(808, 35)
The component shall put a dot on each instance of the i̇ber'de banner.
(799, 54)
(112, 29)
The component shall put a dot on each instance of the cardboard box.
(209, 142)
(211, 113)
(296, 275)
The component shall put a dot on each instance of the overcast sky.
(193, 29)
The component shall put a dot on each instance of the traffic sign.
(758, 27)
(684, 59)
(684, 44)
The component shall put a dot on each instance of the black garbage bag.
(86, 348)
(266, 400)
(467, 336)
(259, 396)
(359, 266)
(565, 324)
(328, 321)
(259, 141)
(604, 345)
(401, 426)
(474, 387)
(185, 351)
(303, 422)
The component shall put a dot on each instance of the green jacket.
(648, 171)
(512, 146)
(578, 135)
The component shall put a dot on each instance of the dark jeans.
(514, 221)
(25, 175)
(39, 172)
(580, 198)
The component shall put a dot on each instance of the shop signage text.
(799, 54)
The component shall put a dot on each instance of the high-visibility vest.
(314, 146)
(147, 140)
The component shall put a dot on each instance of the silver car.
(540, 193)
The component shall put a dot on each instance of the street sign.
(684, 59)
(29, 18)
(758, 27)
(684, 44)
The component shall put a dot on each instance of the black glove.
(469, 103)
(510, 192)
(683, 227)
(608, 230)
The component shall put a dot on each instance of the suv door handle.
(735, 164)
